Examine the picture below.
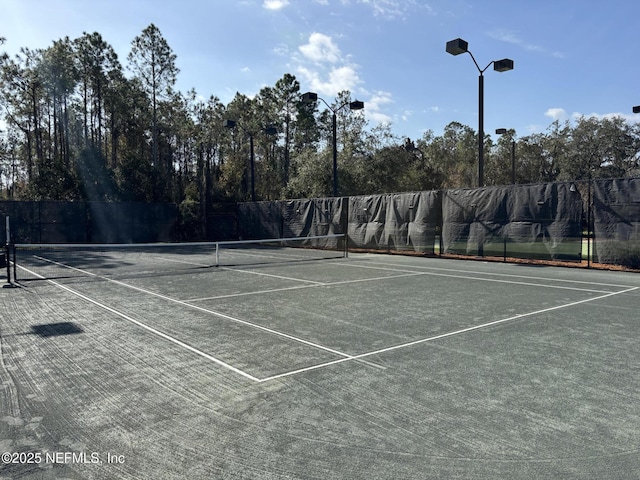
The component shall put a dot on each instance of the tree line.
(80, 126)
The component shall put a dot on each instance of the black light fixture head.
(457, 46)
(503, 65)
(309, 97)
(501, 131)
(356, 105)
(230, 123)
(636, 109)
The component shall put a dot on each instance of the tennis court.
(369, 366)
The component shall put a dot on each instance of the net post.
(217, 254)
(7, 249)
(15, 269)
(344, 220)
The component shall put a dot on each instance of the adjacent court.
(360, 367)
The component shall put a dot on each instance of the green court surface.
(366, 367)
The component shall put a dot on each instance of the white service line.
(444, 335)
(256, 292)
(183, 262)
(282, 277)
(303, 370)
(297, 287)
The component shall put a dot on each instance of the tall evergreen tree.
(154, 64)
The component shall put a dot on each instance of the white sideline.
(147, 327)
(481, 279)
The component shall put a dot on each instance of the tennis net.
(59, 261)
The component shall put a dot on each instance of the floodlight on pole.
(312, 97)
(269, 130)
(457, 47)
(636, 109)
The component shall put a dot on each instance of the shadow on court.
(56, 329)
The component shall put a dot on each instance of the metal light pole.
(456, 47)
(504, 131)
(311, 97)
(270, 130)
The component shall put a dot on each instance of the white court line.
(195, 307)
(284, 289)
(205, 310)
(346, 357)
(530, 277)
(240, 270)
(467, 277)
(184, 262)
(445, 335)
(256, 292)
(148, 328)
(282, 277)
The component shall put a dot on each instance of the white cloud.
(344, 78)
(378, 99)
(275, 4)
(323, 68)
(392, 9)
(386, 8)
(404, 116)
(512, 38)
(336, 80)
(375, 104)
(320, 48)
(379, 117)
(534, 128)
(281, 50)
(556, 113)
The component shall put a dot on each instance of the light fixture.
(456, 47)
(311, 97)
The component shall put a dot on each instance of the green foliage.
(191, 224)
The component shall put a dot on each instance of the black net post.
(5, 259)
(344, 224)
(5, 254)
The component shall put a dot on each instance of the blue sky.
(572, 57)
